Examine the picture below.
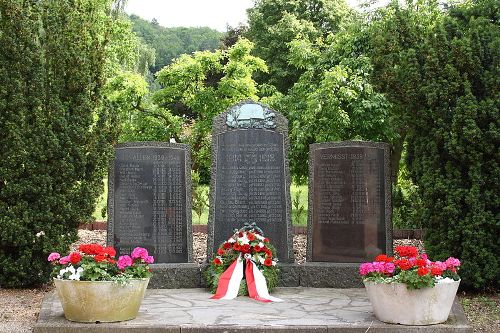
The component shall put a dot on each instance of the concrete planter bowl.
(394, 303)
(100, 301)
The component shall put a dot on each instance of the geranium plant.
(411, 268)
(247, 243)
(94, 262)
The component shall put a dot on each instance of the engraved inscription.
(250, 184)
(150, 202)
(348, 203)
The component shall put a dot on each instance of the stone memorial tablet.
(250, 176)
(149, 200)
(349, 202)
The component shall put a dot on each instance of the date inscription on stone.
(250, 184)
(348, 217)
(149, 202)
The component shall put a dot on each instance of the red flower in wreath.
(245, 248)
(217, 261)
(268, 262)
(237, 247)
(227, 245)
(220, 252)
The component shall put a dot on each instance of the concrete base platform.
(318, 310)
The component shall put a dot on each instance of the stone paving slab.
(319, 310)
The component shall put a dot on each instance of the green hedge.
(55, 129)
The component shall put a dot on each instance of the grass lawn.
(298, 193)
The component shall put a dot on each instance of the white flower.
(41, 233)
(261, 245)
(244, 240)
(261, 260)
(274, 263)
(259, 237)
(231, 240)
(172, 140)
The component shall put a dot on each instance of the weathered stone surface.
(174, 276)
(289, 275)
(250, 180)
(149, 200)
(303, 310)
(329, 275)
(349, 202)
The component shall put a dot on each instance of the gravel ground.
(19, 307)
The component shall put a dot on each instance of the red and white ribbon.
(229, 281)
(256, 284)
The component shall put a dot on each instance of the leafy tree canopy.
(170, 43)
(273, 24)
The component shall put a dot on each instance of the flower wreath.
(244, 265)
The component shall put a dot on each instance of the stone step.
(318, 310)
(313, 274)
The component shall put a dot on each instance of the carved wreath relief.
(250, 116)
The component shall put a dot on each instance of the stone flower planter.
(100, 301)
(394, 303)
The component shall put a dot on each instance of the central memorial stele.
(250, 180)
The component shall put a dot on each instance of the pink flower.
(365, 268)
(389, 268)
(53, 256)
(124, 261)
(139, 252)
(378, 267)
(64, 260)
(440, 265)
(452, 262)
(149, 260)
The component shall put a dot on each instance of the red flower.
(237, 247)
(436, 271)
(240, 234)
(403, 264)
(99, 258)
(423, 271)
(268, 262)
(269, 253)
(220, 252)
(407, 251)
(75, 257)
(266, 240)
(110, 251)
(217, 261)
(384, 258)
(227, 245)
(257, 248)
(421, 263)
(245, 248)
(250, 236)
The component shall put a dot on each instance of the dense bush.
(454, 151)
(440, 69)
(55, 127)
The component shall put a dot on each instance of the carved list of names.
(348, 203)
(150, 202)
(250, 183)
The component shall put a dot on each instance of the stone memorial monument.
(349, 202)
(250, 176)
(149, 200)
